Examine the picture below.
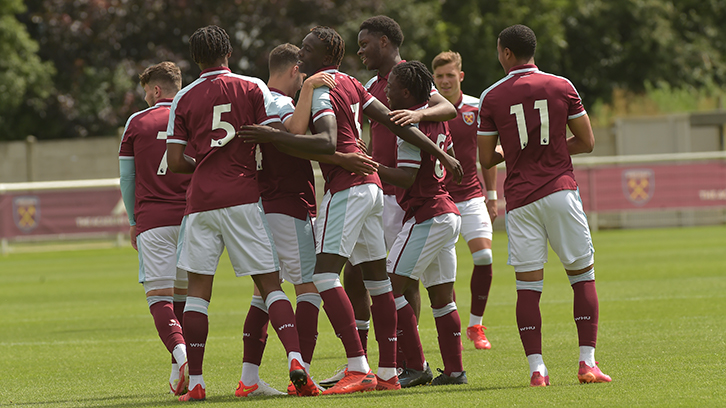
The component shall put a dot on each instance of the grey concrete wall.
(55, 160)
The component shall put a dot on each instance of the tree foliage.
(25, 81)
(98, 47)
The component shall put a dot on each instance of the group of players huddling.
(226, 162)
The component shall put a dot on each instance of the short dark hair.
(384, 25)
(166, 74)
(520, 39)
(208, 44)
(334, 43)
(282, 57)
(414, 76)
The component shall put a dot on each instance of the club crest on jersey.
(638, 185)
(469, 117)
(26, 212)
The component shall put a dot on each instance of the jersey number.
(438, 167)
(356, 109)
(218, 123)
(544, 119)
(161, 171)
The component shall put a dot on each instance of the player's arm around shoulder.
(300, 119)
(379, 112)
(399, 176)
(439, 110)
(582, 139)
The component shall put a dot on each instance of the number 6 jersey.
(529, 110)
(206, 115)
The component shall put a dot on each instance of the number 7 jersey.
(206, 114)
(160, 195)
(345, 103)
(529, 110)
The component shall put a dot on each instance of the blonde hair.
(446, 57)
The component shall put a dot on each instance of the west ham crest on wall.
(26, 212)
(638, 185)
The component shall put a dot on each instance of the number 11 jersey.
(529, 110)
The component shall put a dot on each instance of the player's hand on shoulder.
(404, 117)
(257, 133)
(321, 79)
(360, 164)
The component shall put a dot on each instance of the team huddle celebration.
(226, 163)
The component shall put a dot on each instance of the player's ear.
(383, 41)
(461, 76)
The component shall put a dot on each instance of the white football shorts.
(426, 251)
(242, 229)
(157, 259)
(558, 217)
(295, 242)
(475, 221)
(392, 219)
(350, 224)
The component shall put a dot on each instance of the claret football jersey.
(383, 141)
(160, 194)
(529, 110)
(287, 183)
(427, 197)
(206, 114)
(463, 133)
(346, 103)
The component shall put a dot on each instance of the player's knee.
(152, 300)
(583, 277)
(580, 264)
(156, 285)
(483, 257)
(536, 286)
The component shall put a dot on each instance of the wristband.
(492, 195)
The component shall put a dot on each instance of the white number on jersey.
(356, 111)
(218, 123)
(258, 157)
(438, 167)
(161, 171)
(544, 118)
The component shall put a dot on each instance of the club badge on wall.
(638, 185)
(26, 212)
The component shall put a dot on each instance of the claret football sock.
(306, 321)
(254, 332)
(383, 311)
(448, 327)
(481, 283)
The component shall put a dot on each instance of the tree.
(25, 81)
(99, 47)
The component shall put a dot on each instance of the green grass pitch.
(75, 331)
